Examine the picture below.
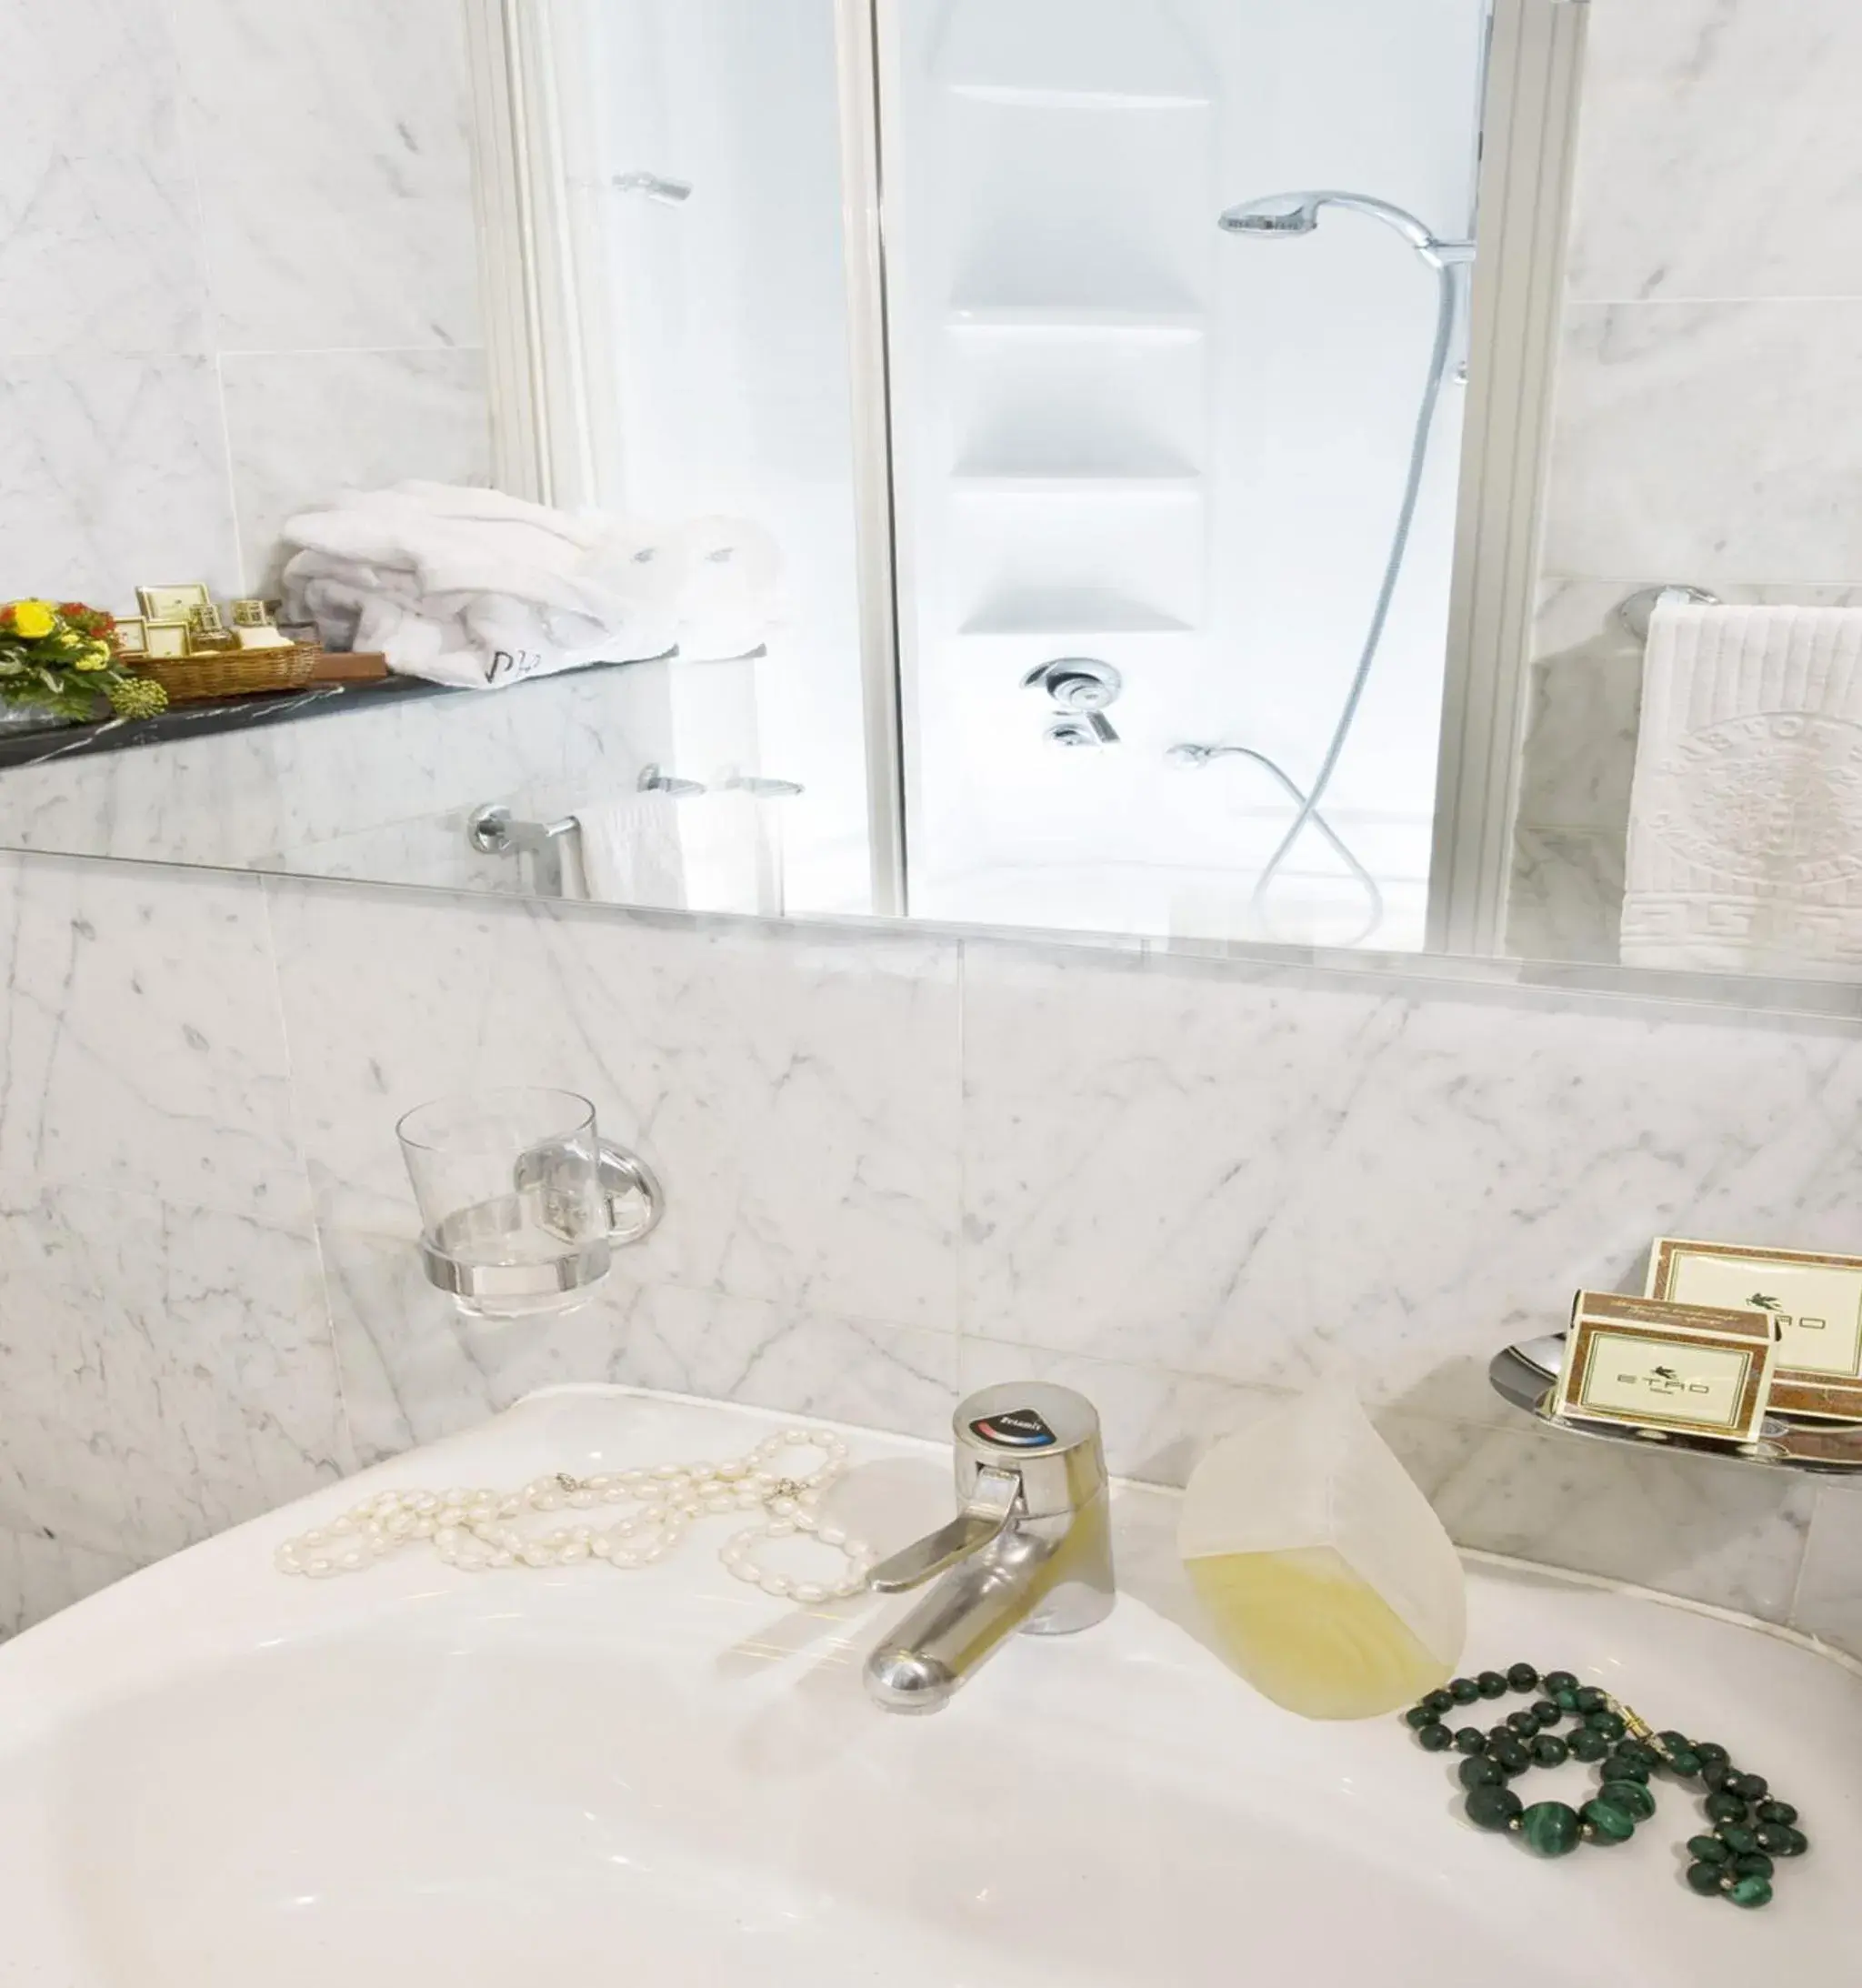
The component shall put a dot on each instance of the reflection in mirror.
(1058, 463)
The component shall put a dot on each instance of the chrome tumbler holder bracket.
(455, 1258)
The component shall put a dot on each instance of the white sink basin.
(213, 1776)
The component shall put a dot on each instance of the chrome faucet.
(1030, 1550)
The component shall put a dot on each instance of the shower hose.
(1308, 802)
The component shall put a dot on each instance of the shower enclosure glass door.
(1127, 436)
(1147, 370)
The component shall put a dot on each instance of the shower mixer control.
(1080, 688)
(1076, 683)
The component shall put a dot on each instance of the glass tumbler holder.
(522, 1204)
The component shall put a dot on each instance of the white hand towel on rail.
(692, 852)
(630, 850)
(1746, 813)
(730, 855)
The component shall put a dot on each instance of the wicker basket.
(231, 673)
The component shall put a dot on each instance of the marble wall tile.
(114, 472)
(543, 747)
(1706, 441)
(797, 1089)
(98, 256)
(331, 148)
(1582, 713)
(1828, 1602)
(211, 800)
(169, 1370)
(94, 77)
(96, 200)
(41, 1573)
(1181, 1165)
(1720, 154)
(415, 1370)
(1566, 900)
(305, 425)
(141, 1043)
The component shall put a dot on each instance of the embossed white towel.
(692, 852)
(730, 857)
(1745, 814)
(630, 850)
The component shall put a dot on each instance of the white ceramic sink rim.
(212, 1774)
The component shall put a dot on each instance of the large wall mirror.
(1329, 474)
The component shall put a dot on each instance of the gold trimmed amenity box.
(1816, 1301)
(1690, 1370)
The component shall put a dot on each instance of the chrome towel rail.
(1638, 612)
(493, 830)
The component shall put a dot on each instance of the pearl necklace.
(474, 1529)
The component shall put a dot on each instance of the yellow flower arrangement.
(63, 661)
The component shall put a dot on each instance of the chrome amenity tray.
(1525, 1375)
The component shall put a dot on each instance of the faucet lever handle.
(992, 1503)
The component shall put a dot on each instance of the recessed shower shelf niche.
(1180, 484)
(1161, 323)
(1074, 612)
(1060, 55)
(1052, 96)
(1526, 1375)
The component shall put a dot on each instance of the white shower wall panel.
(1121, 434)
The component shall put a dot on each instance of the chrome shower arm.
(1298, 214)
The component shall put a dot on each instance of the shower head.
(1190, 754)
(1280, 215)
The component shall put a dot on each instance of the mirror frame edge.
(1529, 142)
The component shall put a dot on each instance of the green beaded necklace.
(1750, 1827)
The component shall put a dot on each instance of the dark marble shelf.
(39, 745)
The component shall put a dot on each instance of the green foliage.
(64, 661)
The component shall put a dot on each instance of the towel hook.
(1638, 612)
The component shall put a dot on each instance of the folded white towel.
(630, 851)
(473, 588)
(1745, 814)
(729, 575)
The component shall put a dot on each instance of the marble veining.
(114, 467)
(96, 198)
(1670, 203)
(1182, 1167)
(898, 1166)
(213, 210)
(141, 1044)
(413, 1369)
(40, 1573)
(1686, 445)
(169, 1370)
(330, 143)
(804, 1086)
